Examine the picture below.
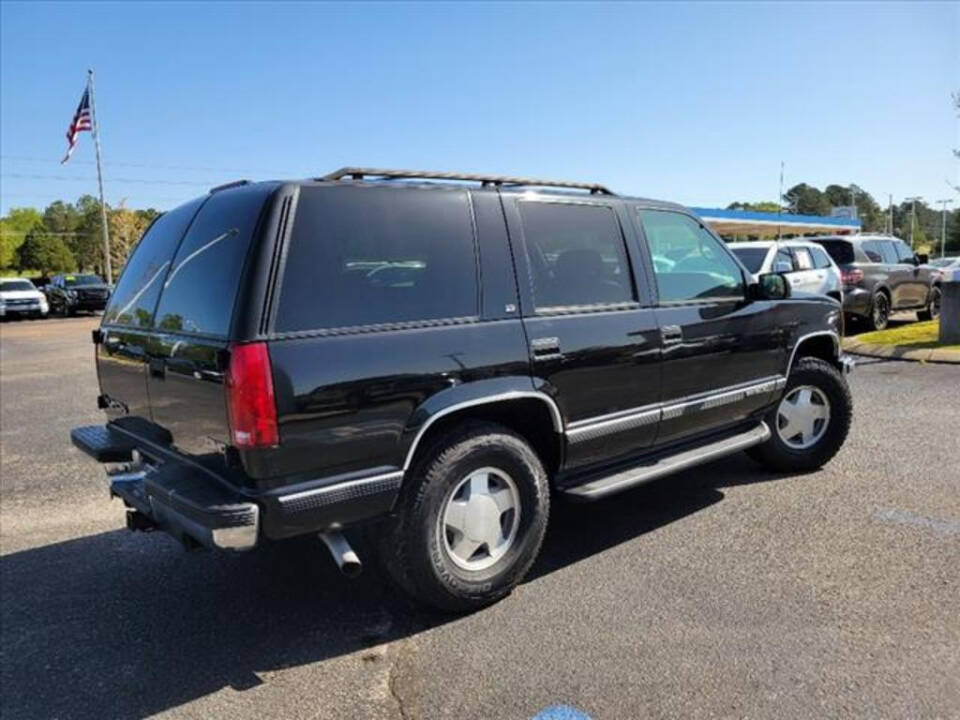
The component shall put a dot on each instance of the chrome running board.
(637, 475)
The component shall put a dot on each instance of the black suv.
(881, 274)
(435, 360)
(69, 293)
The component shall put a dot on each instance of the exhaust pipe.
(343, 554)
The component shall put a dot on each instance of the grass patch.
(917, 336)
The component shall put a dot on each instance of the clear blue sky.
(696, 103)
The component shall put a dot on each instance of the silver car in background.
(807, 265)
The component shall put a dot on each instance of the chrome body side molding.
(596, 427)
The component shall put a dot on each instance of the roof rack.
(484, 180)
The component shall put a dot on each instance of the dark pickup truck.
(433, 356)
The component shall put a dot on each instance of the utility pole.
(890, 215)
(103, 206)
(943, 225)
(780, 207)
(913, 217)
(853, 199)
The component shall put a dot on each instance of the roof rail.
(484, 180)
(227, 186)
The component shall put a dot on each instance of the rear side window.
(201, 286)
(840, 250)
(577, 255)
(873, 251)
(802, 256)
(783, 261)
(820, 259)
(378, 255)
(138, 287)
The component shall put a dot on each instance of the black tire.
(776, 454)
(411, 548)
(933, 306)
(879, 315)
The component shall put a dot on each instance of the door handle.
(547, 348)
(671, 334)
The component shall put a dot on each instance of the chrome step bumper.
(637, 475)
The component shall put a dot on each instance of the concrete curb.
(901, 352)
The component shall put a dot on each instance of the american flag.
(81, 122)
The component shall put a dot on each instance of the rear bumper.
(166, 490)
(856, 301)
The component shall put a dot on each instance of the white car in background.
(19, 297)
(807, 266)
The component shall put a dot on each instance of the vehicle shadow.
(128, 625)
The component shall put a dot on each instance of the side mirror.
(922, 258)
(770, 286)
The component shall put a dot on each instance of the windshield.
(840, 250)
(71, 280)
(751, 257)
(16, 285)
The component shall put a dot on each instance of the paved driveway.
(724, 592)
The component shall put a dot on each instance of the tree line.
(804, 199)
(66, 237)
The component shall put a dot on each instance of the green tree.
(805, 199)
(44, 252)
(765, 206)
(87, 244)
(13, 231)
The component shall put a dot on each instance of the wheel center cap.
(482, 515)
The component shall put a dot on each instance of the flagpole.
(103, 204)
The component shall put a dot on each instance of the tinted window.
(751, 257)
(904, 253)
(701, 267)
(576, 254)
(365, 256)
(138, 287)
(840, 250)
(201, 286)
(888, 252)
(16, 285)
(802, 256)
(820, 259)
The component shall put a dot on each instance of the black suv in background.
(435, 360)
(881, 274)
(70, 293)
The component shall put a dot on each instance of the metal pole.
(779, 211)
(853, 199)
(943, 226)
(103, 204)
(890, 215)
(913, 217)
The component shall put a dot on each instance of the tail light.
(251, 408)
(852, 276)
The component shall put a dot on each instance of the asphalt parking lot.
(725, 592)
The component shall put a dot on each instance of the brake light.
(251, 408)
(853, 276)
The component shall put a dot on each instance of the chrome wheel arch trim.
(486, 400)
(802, 338)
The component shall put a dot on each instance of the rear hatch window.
(201, 285)
(840, 250)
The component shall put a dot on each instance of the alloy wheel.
(802, 417)
(479, 519)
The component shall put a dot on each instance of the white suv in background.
(19, 297)
(807, 265)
